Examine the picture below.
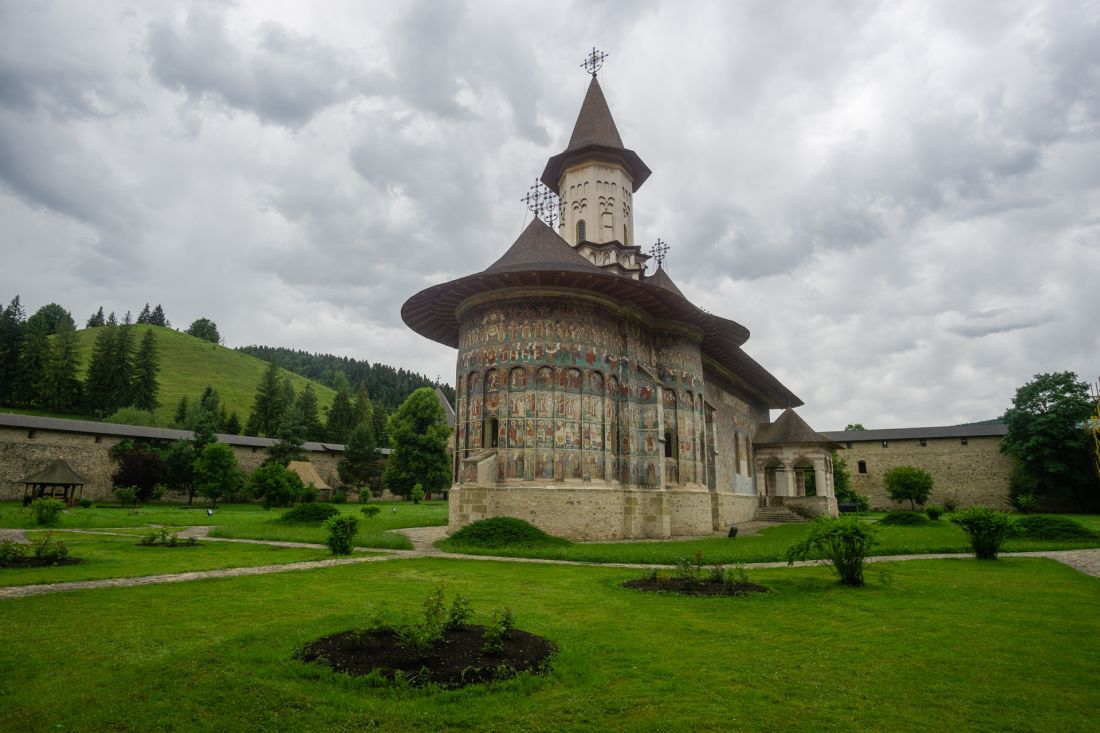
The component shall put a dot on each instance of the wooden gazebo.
(56, 479)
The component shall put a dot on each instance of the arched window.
(581, 233)
(624, 236)
(494, 432)
(669, 449)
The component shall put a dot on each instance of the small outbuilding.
(307, 472)
(57, 479)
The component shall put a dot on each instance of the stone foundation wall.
(589, 511)
(23, 452)
(974, 474)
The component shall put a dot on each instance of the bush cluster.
(1045, 527)
(47, 511)
(304, 513)
(904, 519)
(11, 552)
(497, 532)
(165, 538)
(341, 532)
(48, 549)
(844, 542)
(934, 512)
(986, 529)
(370, 511)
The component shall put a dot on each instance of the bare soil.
(696, 588)
(456, 660)
(34, 562)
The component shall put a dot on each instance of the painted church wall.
(737, 414)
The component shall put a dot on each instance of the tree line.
(387, 386)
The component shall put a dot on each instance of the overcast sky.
(901, 201)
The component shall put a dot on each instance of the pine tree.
(97, 385)
(11, 344)
(360, 463)
(121, 390)
(364, 410)
(158, 318)
(419, 433)
(181, 412)
(267, 407)
(145, 316)
(381, 426)
(96, 319)
(33, 358)
(61, 388)
(146, 368)
(311, 416)
(341, 416)
(289, 445)
(232, 424)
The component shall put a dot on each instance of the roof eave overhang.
(628, 159)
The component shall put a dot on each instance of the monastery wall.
(24, 451)
(974, 474)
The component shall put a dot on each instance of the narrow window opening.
(30, 434)
(962, 441)
(863, 466)
(885, 443)
(494, 432)
(923, 443)
(624, 236)
(581, 233)
(668, 444)
(849, 444)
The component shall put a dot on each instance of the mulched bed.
(33, 562)
(456, 660)
(698, 588)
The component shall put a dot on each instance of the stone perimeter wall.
(89, 455)
(974, 474)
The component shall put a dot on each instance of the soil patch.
(34, 562)
(456, 660)
(697, 588)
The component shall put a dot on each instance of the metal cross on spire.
(659, 251)
(593, 62)
(543, 203)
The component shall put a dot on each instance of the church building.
(594, 400)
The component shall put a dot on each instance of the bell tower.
(595, 179)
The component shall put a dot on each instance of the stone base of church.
(808, 506)
(581, 510)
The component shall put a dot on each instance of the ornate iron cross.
(543, 203)
(593, 62)
(659, 251)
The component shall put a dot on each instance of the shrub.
(85, 503)
(47, 511)
(364, 494)
(460, 612)
(126, 495)
(844, 542)
(417, 493)
(904, 519)
(499, 629)
(11, 552)
(908, 483)
(308, 495)
(934, 512)
(986, 529)
(1024, 503)
(341, 532)
(370, 511)
(309, 513)
(950, 503)
(142, 469)
(49, 550)
(1044, 527)
(340, 496)
(274, 485)
(497, 532)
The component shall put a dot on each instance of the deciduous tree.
(908, 483)
(418, 434)
(216, 472)
(204, 328)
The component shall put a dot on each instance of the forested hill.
(385, 385)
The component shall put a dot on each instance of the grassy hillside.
(189, 364)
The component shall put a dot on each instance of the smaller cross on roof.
(593, 62)
(659, 252)
(543, 203)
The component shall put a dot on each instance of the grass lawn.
(245, 521)
(958, 645)
(119, 557)
(769, 544)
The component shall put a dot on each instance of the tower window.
(863, 466)
(885, 444)
(963, 441)
(581, 233)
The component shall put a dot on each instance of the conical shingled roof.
(541, 248)
(661, 279)
(308, 473)
(787, 429)
(595, 136)
(57, 473)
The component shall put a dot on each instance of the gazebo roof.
(56, 473)
(308, 473)
(541, 258)
(788, 429)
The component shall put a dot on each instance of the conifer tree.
(158, 318)
(146, 368)
(363, 408)
(181, 412)
(33, 358)
(267, 407)
(96, 319)
(61, 388)
(290, 433)
(381, 426)
(359, 465)
(11, 344)
(341, 415)
(419, 433)
(311, 417)
(97, 384)
(121, 390)
(232, 424)
(145, 315)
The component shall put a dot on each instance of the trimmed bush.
(498, 532)
(1046, 527)
(934, 512)
(370, 511)
(904, 519)
(986, 530)
(341, 532)
(47, 511)
(85, 503)
(127, 495)
(304, 513)
(844, 542)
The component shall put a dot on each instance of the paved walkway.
(1086, 561)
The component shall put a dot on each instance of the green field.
(122, 557)
(188, 365)
(958, 645)
(245, 521)
(769, 545)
